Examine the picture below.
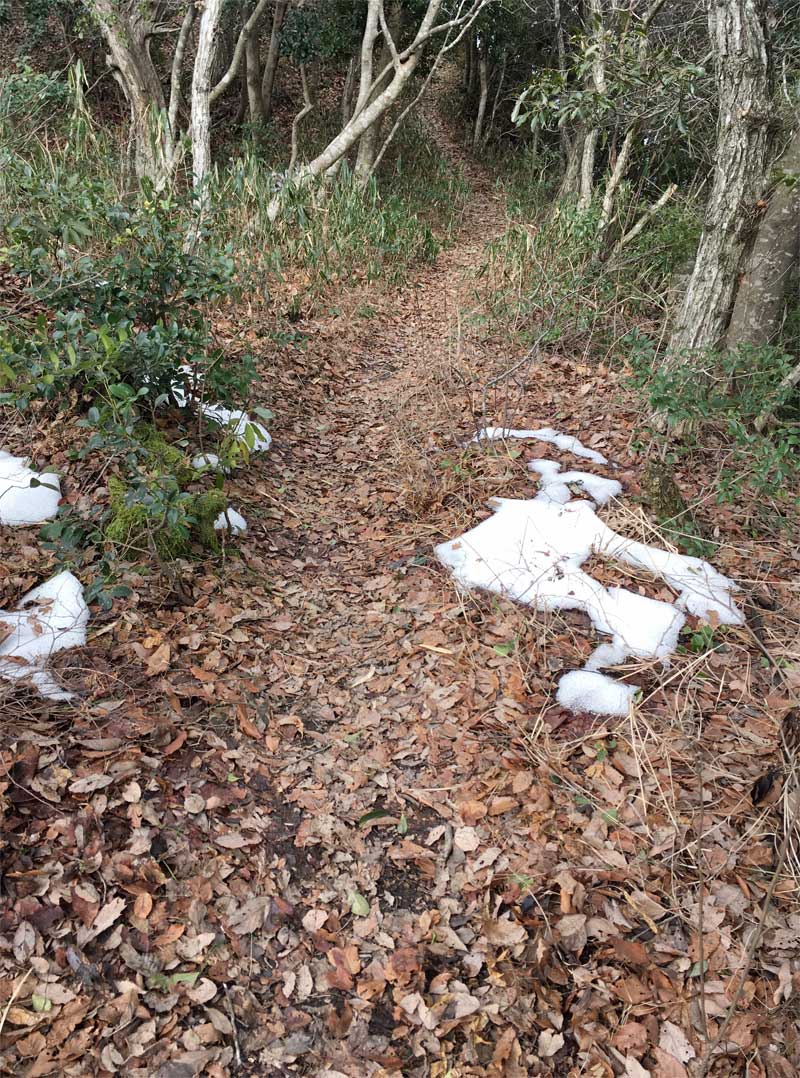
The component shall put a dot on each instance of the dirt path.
(318, 830)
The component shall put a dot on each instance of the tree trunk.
(253, 79)
(242, 108)
(127, 30)
(483, 76)
(739, 39)
(760, 298)
(201, 99)
(348, 90)
(570, 184)
(370, 140)
(586, 182)
(273, 56)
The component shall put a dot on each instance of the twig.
(236, 1047)
(14, 995)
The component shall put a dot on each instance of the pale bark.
(201, 98)
(612, 185)
(570, 184)
(127, 29)
(403, 67)
(370, 88)
(500, 82)
(640, 225)
(250, 27)
(761, 295)
(273, 56)
(739, 40)
(483, 97)
(308, 105)
(586, 182)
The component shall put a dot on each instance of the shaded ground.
(309, 817)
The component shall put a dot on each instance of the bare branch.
(236, 60)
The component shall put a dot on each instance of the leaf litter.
(321, 814)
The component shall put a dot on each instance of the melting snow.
(545, 434)
(21, 503)
(555, 484)
(582, 690)
(50, 618)
(231, 521)
(205, 461)
(237, 421)
(533, 550)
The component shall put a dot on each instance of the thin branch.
(177, 65)
(387, 37)
(238, 53)
(308, 105)
(633, 232)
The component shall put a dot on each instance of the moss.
(133, 531)
(206, 507)
(164, 459)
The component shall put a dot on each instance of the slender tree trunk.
(473, 64)
(273, 56)
(348, 90)
(490, 126)
(255, 100)
(467, 63)
(586, 183)
(242, 108)
(761, 295)
(483, 97)
(370, 140)
(739, 39)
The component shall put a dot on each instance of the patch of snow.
(49, 618)
(205, 461)
(544, 434)
(584, 690)
(532, 551)
(20, 503)
(231, 521)
(239, 423)
(554, 484)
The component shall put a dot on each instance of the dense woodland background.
(306, 813)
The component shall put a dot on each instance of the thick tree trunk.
(127, 30)
(201, 98)
(273, 56)
(761, 295)
(739, 39)
(570, 184)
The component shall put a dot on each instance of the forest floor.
(317, 813)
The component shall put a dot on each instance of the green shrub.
(723, 394)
